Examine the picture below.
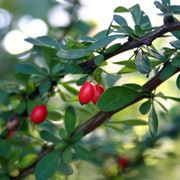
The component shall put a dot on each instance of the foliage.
(65, 63)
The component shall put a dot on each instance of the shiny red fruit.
(122, 161)
(39, 114)
(98, 92)
(86, 93)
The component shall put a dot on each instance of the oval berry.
(122, 161)
(86, 93)
(98, 92)
(39, 114)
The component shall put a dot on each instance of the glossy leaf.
(178, 82)
(81, 152)
(116, 98)
(143, 64)
(47, 136)
(167, 72)
(73, 53)
(47, 166)
(120, 20)
(70, 119)
(145, 107)
(153, 122)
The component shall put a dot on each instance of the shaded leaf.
(47, 166)
(70, 119)
(145, 107)
(47, 136)
(131, 122)
(81, 152)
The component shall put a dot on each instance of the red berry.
(86, 93)
(39, 114)
(98, 92)
(122, 161)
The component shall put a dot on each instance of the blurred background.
(61, 19)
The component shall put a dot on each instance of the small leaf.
(82, 80)
(97, 74)
(45, 86)
(67, 155)
(88, 39)
(47, 136)
(176, 61)
(61, 145)
(47, 166)
(121, 9)
(5, 149)
(167, 72)
(178, 82)
(65, 169)
(153, 122)
(72, 68)
(145, 107)
(175, 44)
(127, 30)
(54, 115)
(142, 63)
(120, 20)
(99, 59)
(131, 122)
(26, 69)
(104, 42)
(136, 13)
(116, 98)
(44, 41)
(4, 97)
(73, 53)
(82, 152)
(70, 120)
(27, 161)
(62, 133)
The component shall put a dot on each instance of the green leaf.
(166, 2)
(62, 133)
(120, 20)
(65, 169)
(67, 155)
(167, 72)
(47, 136)
(82, 80)
(70, 88)
(99, 59)
(113, 48)
(145, 107)
(44, 41)
(176, 61)
(26, 69)
(136, 13)
(54, 115)
(70, 120)
(61, 145)
(45, 86)
(153, 122)
(127, 30)
(97, 74)
(47, 166)
(73, 53)
(88, 39)
(104, 42)
(27, 161)
(178, 82)
(72, 68)
(81, 152)
(77, 136)
(121, 9)
(175, 44)
(143, 64)
(116, 98)
(5, 149)
(21, 107)
(131, 122)
(175, 9)
(4, 97)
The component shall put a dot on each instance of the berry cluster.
(90, 92)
